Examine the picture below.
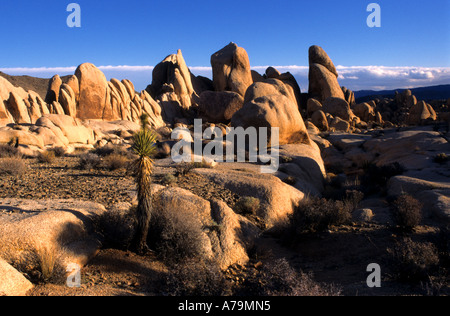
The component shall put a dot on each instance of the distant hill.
(441, 92)
(38, 85)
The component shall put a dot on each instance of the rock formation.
(231, 69)
(272, 104)
(219, 107)
(323, 75)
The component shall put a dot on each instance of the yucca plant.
(144, 147)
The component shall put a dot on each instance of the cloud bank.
(353, 77)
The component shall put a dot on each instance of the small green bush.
(184, 168)
(168, 179)
(247, 205)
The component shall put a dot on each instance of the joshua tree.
(144, 147)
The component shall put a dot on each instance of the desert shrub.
(413, 261)
(407, 212)
(7, 151)
(88, 161)
(111, 150)
(202, 165)
(115, 162)
(352, 199)
(376, 177)
(441, 158)
(50, 265)
(13, 166)
(247, 205)
(290, 180)
(104, 150)
(46, 156)
(58, 151)
(286, 159)
(41, 264)
(184, 168)
(278, 278)
(175, 233)
(168, 179)
(117, 226)
(316, 215)
(196, 278)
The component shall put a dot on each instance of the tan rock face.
(75, 85)
(231, 69)
(312, 106)
(318, 56)
(323, 75)
(174, 71)
(53, 89)
(93, 88)
(18, 109)
(219, 107)
(12, 282)
(71, 128)
(272, 104)
(319, 119)
(277, 199)
(225, 246)
(323, 84)
(420, 112)
(365, 112)
(62, 227)
(338, 107)
(67, 99)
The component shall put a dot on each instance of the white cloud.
(353, 77)
(17, 71)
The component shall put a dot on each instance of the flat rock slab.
(277, 198)
(60, 226)
(12, 282)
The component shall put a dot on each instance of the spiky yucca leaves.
(144, 147)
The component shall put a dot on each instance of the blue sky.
(411, 48)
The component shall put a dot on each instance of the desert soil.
(339, 256)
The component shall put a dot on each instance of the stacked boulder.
(271, 103)
(87, 95)
(176, 89)
(323, 83)
(404, 109)
(328, 106)
(231, 78)
(20, 106)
